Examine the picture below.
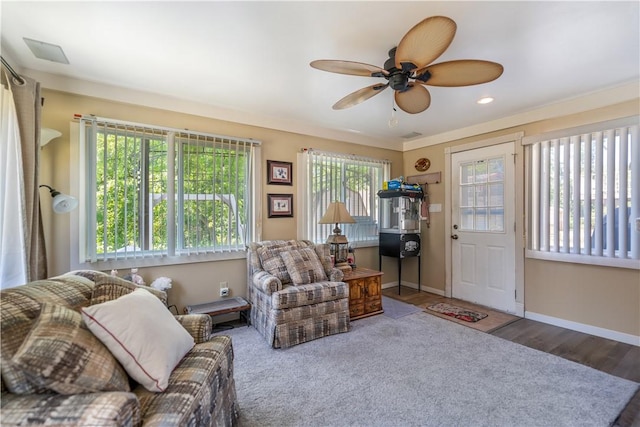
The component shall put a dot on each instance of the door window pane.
(466, 173)
(496, 194)
(481, 195)
(466, 196)
(481, 220)
(466, 219)
(496, 169)
(482, 187)
(481, 171)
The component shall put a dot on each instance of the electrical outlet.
(224, 292)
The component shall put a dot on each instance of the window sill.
(633, 264)
(159, 261)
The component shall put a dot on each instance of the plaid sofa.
(201, 390)
(284, 312)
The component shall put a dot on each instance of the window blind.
(164, 192)
(585, 192)
(351, 179)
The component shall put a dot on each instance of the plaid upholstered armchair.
(295, 292)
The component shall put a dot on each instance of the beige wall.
(599, 296)
(603, 297)
(192, 283)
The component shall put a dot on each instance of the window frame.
(536, 246)
(307, 211)
(79, 176)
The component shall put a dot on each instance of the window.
(585, 194)
(327, 177)
(482, 195)
(155, 192)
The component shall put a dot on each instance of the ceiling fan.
(408, 69)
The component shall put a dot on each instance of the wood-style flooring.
(612, 357)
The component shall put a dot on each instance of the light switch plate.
(435, 207)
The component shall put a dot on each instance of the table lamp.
(338, 244)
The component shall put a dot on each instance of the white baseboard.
(413, 286)
(587, 329)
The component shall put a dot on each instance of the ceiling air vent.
(48, 51)
(411, 135)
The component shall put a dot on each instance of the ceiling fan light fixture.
(393, 121)
(485, 100)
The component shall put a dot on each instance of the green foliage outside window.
(131, 194)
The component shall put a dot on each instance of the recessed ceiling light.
(485, 100)
(48, 51)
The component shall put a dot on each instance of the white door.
(483, 226)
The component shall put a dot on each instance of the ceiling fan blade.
(358, 96)
(423, 43)
(414, 100)
(348, 67)
(463, 72)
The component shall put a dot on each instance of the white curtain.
(13, 255)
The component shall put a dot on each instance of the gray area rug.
(418, 370)
(396, 309)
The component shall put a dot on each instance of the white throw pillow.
(142, 334)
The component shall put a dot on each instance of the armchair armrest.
(115, 408)
(336, 275)
(266, 282)
(198, 326)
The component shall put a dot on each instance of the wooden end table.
(225, 306)
(365, 292)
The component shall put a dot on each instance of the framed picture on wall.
(280, 205)
(279, 172)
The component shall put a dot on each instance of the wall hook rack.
(425, 178)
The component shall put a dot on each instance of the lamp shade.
(62, 203)
(47, 134)
(336, 214)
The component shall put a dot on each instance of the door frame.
(516, 138)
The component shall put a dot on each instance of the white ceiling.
(249, 61)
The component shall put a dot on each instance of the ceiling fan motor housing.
(398, 80)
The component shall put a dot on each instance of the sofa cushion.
(303, 266)
(201, 389)
(62, 355)
(313, 293)
(302, 324)
(142, 334)
(271, 261)
(109, 288)
(19, 309)
(108, 409)
(324, 255)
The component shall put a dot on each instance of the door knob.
(454, 237)
(455, 226)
